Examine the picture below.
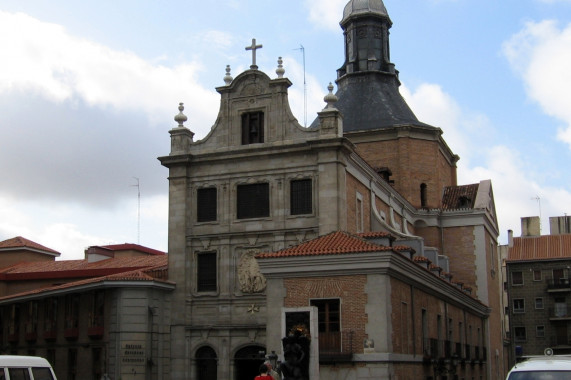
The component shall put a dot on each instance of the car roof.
(553, 363)
(22, 361)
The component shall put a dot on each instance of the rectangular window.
(329, 324)
(72, 363)
(253, 201)
(519, 305)
(301, 197)
(539, 303)
(252, 128)
(519, 334)
(540, 331)
(72, 311)
(536, 275)
(206, 205)
(517, 278)
(50, 314)
(206, 272)
(359, 212)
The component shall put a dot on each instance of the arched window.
(423, 195)
(206, 364)
(247, 361)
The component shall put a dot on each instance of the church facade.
(260, 183)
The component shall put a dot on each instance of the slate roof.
(21, 242)
(335, 243)
(546, 247)
(459, 197)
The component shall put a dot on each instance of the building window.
(359, 212)
(253, 201)
(519, 305)
(329, 324)
(540, 331)
(423, 197)
(96, 313)
(206, 364)
(50, 314)
(206, 205)
(539, 303)
(301, 197)
(517, 278)
(537, 275)
(71, 311)
(72, 363)
(519, 334)
(252, 128)
(206, 272)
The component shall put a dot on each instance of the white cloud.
(326, 14)
(47, 60)
(541, 54)
(471, 136)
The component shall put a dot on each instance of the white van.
(25, 368)
(542, 368)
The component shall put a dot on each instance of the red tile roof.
(20, 242)
(79, 268)
(148, 274)
(335, 243)
(134, 247)
(375, 234)
(540, 248)
(459, 197)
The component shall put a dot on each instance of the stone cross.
(253, 48)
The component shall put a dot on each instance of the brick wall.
(412, 162)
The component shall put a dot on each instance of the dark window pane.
(517, 278)
(206, 272)
(42, 373)
(301, 197)
(206, 205)
(253, 201)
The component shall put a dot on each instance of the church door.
(206, 364)
(248, 361)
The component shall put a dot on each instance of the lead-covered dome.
(364, 7)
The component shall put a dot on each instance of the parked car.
(548, 367)
(14, 367)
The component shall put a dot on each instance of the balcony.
(558, 285)
(431, 349)
(336, 346)
(95, 329)
(560, 340)
(559, 313)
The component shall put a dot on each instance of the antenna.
(304, 87)
(538, 199)
(138, 209)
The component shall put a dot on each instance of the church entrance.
(247, 362)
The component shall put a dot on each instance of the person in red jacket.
(263, 373)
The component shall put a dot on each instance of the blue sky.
(89, 89)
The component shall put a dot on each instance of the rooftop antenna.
(538, 199)
(304, 87)
(138, 209)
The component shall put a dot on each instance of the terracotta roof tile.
(540, 248)
(136, 247)
(135, 275)
(335, 243)
(80, 268)
(375, 234)
(459, 197)
(21, 242)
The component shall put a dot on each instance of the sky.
(89, 90)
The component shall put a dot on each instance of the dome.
(364, 7)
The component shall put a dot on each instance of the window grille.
(301, 197)
(206, 272)
(253, 201)
(206, 205)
